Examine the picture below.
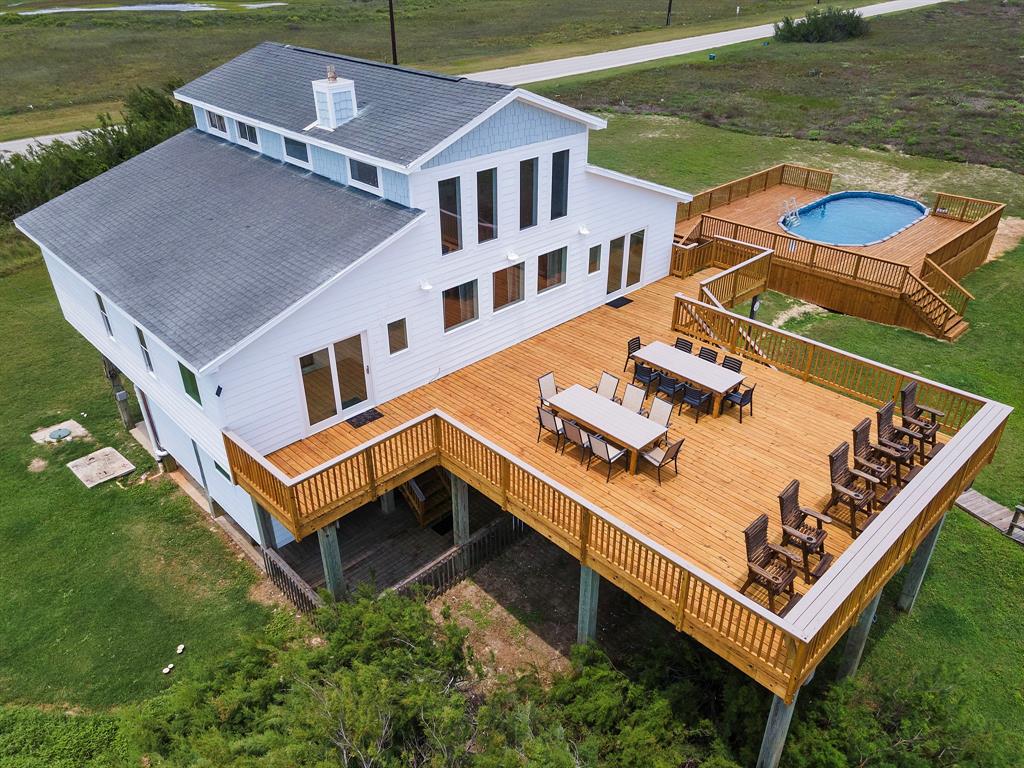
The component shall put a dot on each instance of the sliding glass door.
(334, 379)
(625, 268)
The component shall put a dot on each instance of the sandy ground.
(1009, 234)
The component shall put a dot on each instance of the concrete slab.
(100, 466)
(78, 432)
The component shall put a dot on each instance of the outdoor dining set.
(879, 471)
(604, 425)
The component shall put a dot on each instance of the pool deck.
(763, 209)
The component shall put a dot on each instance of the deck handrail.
(943, 284)
(754, 271)
(789, 174)
(981, 227)
(963, 208)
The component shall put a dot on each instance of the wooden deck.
(763, 209)
(729, 472)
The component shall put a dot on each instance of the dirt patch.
(265, 592)
(1008, 236)
(37, 465)
(797, 311)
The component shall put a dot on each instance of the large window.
(144, 347)
(216, 121)
(594, 261)
(398, 338)
(450, 204)
(559, 184)
(634, 267)
(364, 173)
(189, 383)
(459, 305)
(296, 150)
(247, 132)
(103, 314)
(527, 193)
(509, 285)
(486, 205)
(550, 270)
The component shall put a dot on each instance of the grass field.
(99, 585)
(903, 86)
(59, 71)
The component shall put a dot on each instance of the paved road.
(20, 145)
(578, 65)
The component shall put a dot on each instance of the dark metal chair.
(548, 422)
(895, 443)
(732, 363)
(684, 345)
(670, 387)
(660, 456)
(632, 347)
(709, 354)
(809, 539)
(646, 376)
(599, 449)
(697, 399)
(741, 398)
(576, 436)
(845, 490)
(920, 419)
(769, 565)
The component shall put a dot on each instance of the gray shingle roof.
(203, 242)
(403, 113)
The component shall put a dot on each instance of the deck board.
(729, 473)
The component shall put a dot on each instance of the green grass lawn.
(902, 86)
(99, 585)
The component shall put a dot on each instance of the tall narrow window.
(635, 265)
(509, 284)
(398, 338)
(559, 184)
(615, 254)
(450, 205)
(191, 386)
(594, 262)
(527, 193)
(486, 205)
(318, 386)
(550, 270)
(459, 305)
(145, 349)
(103, 314)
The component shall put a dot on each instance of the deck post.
(460, 510)
(264, 526)
(918, 567)
(330, 554)
(120, 395)
(387, 502)
(856, 639)
(586, 623)
(776, 730)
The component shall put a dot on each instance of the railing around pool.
(785, 173)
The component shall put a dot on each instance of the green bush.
(828, 26)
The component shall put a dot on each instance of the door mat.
(619, 303)
(364, 418)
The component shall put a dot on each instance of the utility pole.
(394, 40)
(668, 16)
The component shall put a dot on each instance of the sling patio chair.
(548, 389)
(576, 436)
(608, 386)
(741, 397)
(796, 530)
(661, 411)
(895, 443)
(697, 399)
(869, 458)
(599, 449)
(769, 565)
(632, 347)
(646, 376)
(732, 363)
(633, 398)
(920, 419)
(859, 500)
(709, 354)
(548, 422)
(659, 456)
(684, 345)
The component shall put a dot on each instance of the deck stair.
(938, 313)
(429, 495)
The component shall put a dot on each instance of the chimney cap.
(332, 76)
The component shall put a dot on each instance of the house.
(332, 234)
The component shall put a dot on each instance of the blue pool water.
(855, 218)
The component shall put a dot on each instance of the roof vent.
(335, 99)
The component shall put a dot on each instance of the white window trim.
(245, 141)
(476, 301)
(307, 164)
(214, 128)
(517, 302)
(353, 181)
(365, 187)
(387, 337)
(600, 263)
(197, 403)
(565, 272)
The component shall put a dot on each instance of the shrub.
(828, 26)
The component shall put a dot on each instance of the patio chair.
(671, 388)
(632, 347)
(548, 422)
(709, 354)
(661, 411)
(796, 530)
(732, 363)
(868, 457)
(769, 565)
(659, 456)
(741, 398)
(601, 450)
(547, 386)
(684, 345)
(845, 490)
(895, 443)
(646, 376)
(697, 399)
(608, 386)
(576, 436)
(633, 398)
(919, 418)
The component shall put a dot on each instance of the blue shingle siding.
(395, 186)
(513, 126)
(200, 114)
(271, 143)
(330, 164)
(344, 108)
(321, 106)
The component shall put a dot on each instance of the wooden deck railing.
(963, 208)
(931, 306)
(786, 173)
(738, 283)
(964, 252)
(721, 252)
(945, 286)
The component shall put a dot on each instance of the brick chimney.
(335, 99)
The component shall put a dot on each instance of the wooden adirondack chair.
(798, 531)
(769, 565)
(845, 490)
(870, 459)
(920, 419)
(893, 443)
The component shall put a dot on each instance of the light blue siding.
(271, 143)
(232, 129)
(344, 106)
(321, 107)
(513, 126)
(200, 114)
(395, 186)
(330, 164)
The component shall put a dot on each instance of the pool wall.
(806, 209)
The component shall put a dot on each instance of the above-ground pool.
(854, 218)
